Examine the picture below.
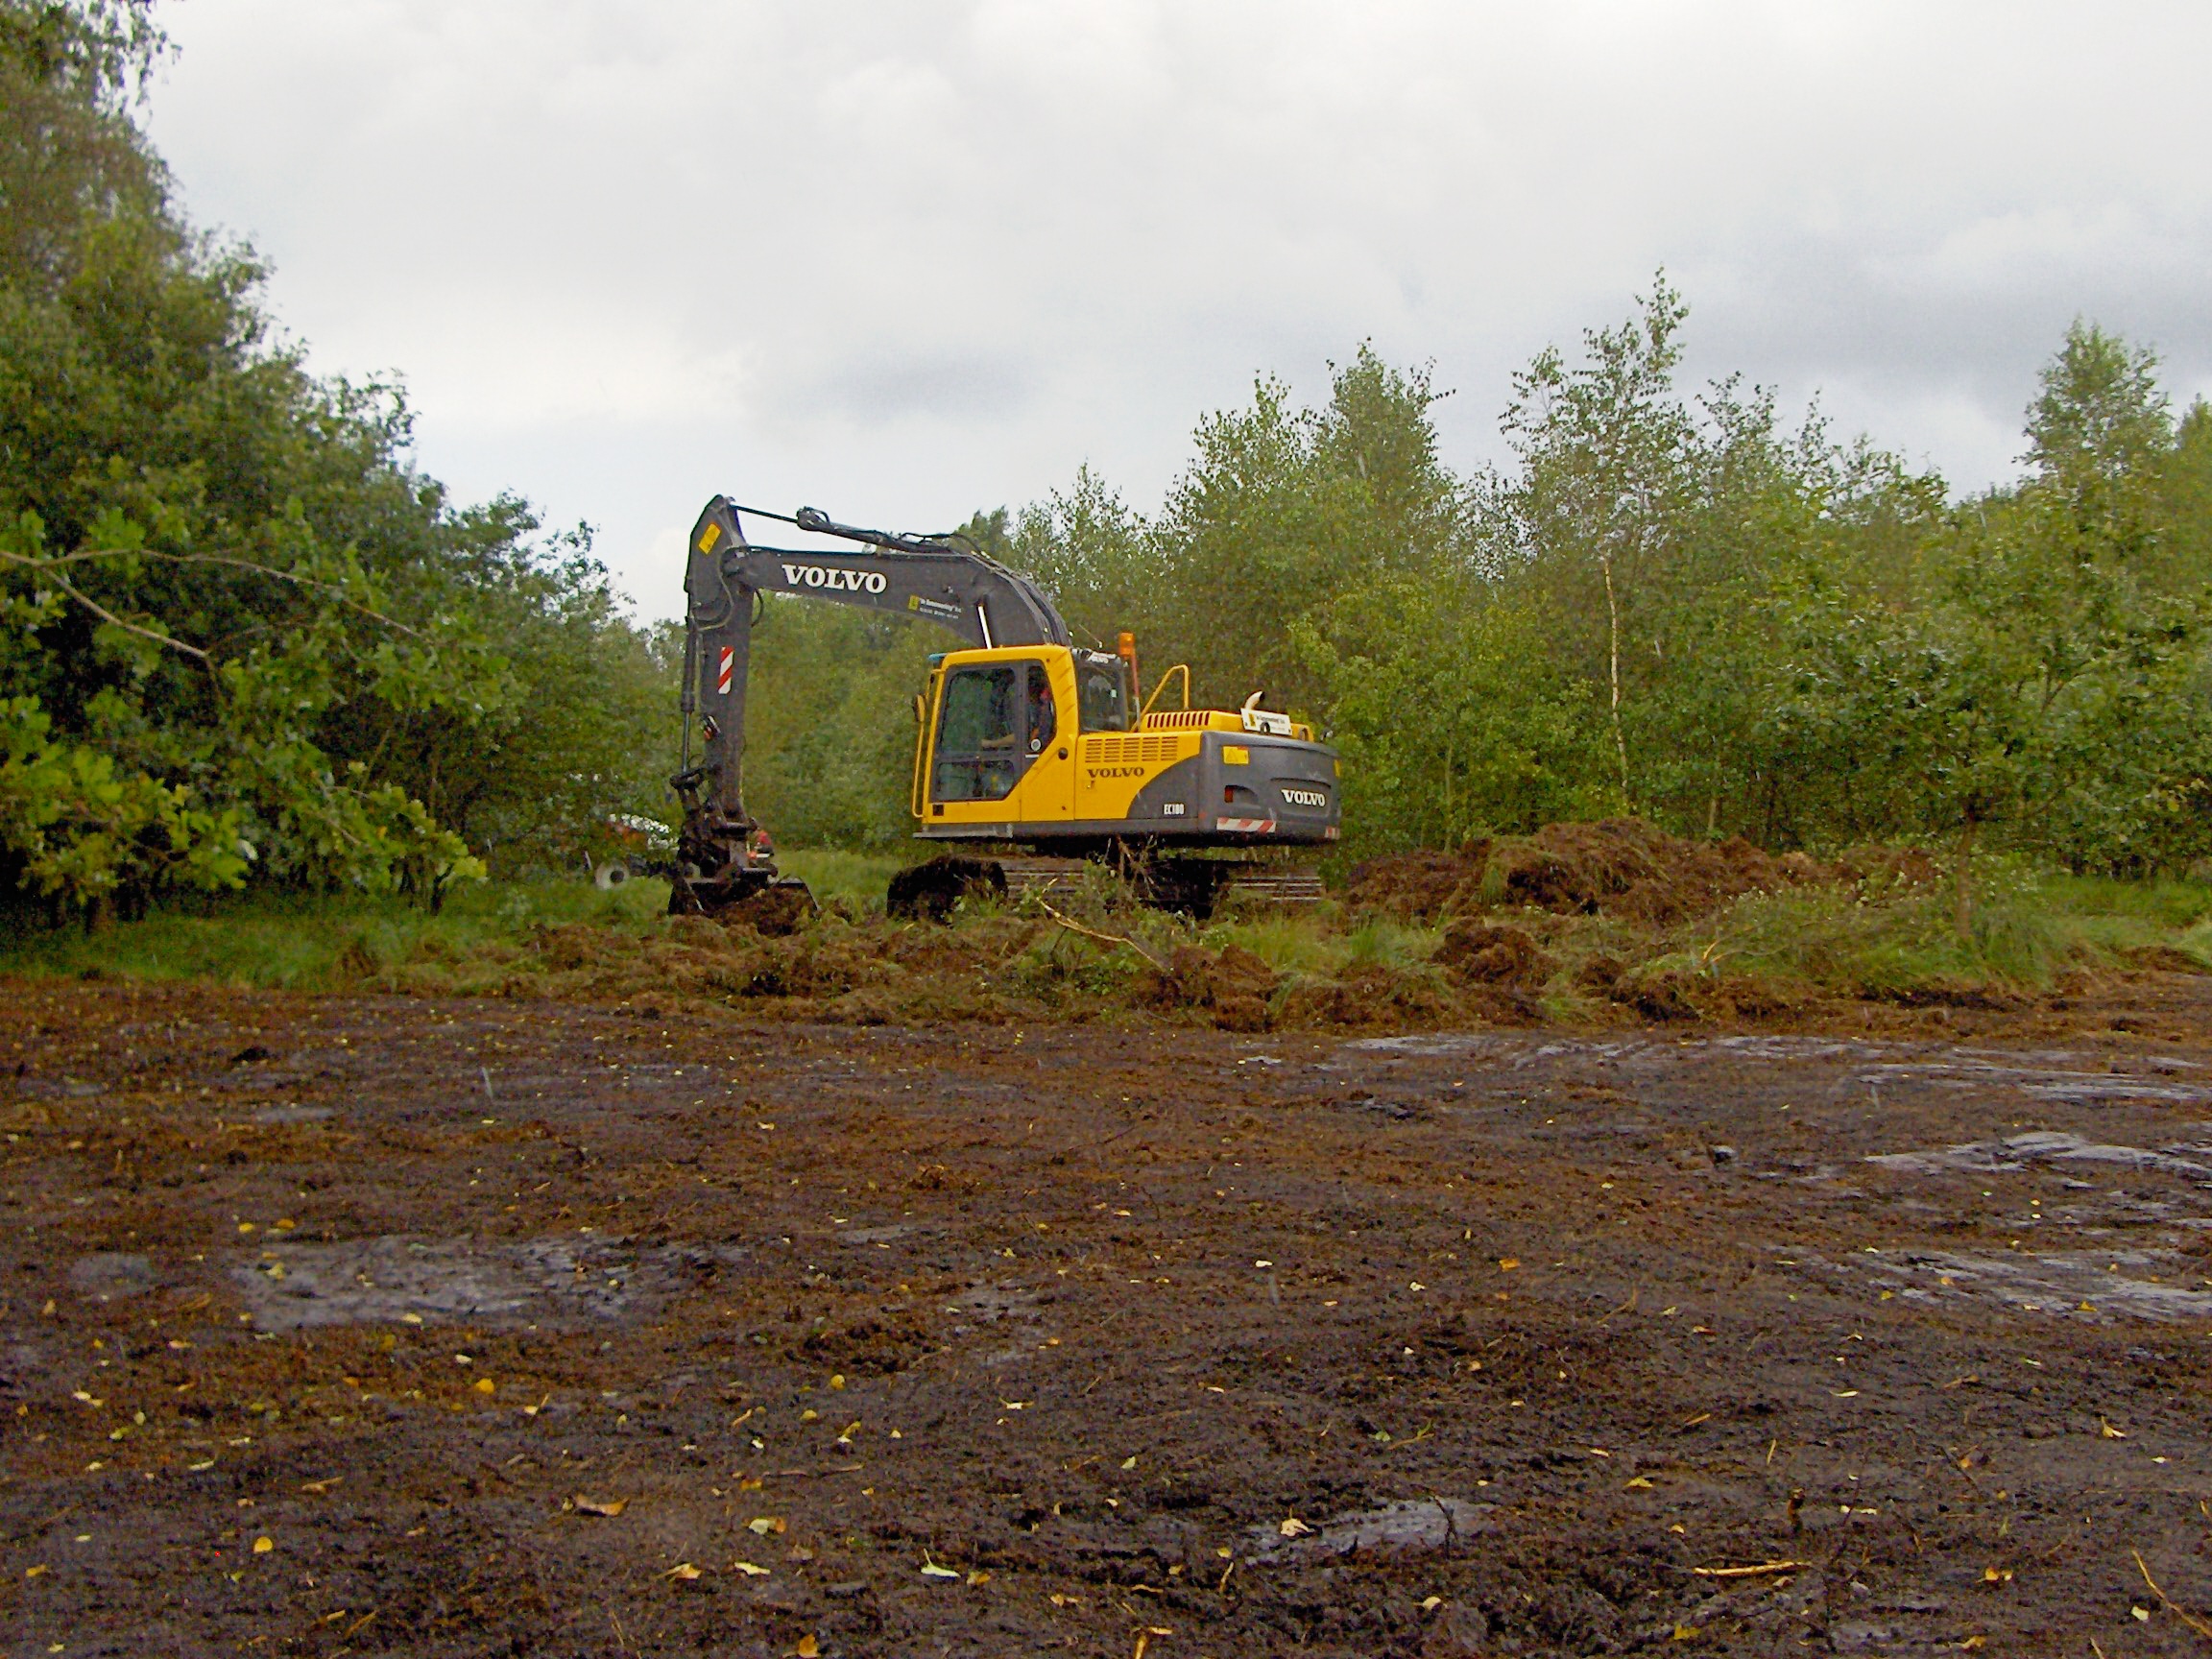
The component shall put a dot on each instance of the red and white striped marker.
(729, 667)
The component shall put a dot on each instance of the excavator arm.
(931, 578)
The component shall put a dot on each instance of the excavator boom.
(930, 578)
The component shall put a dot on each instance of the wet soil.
(396, 1326)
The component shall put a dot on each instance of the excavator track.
(1267, 885)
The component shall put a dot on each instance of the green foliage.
(829, 722)
(1676, 605)
(246, 638)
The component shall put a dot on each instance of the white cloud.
(902, 258)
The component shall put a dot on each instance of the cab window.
(1103, 698)
(995, 721)
(1043, 714)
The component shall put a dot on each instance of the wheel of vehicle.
(609, 875)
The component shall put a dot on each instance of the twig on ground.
(2167, 1601)
(1754, 1570)
(1634, 1292)
(1074, 926)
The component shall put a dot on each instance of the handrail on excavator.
(1182, 668)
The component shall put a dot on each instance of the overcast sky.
(904, 259)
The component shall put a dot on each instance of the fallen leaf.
(1639, 1484)
(761, 1526)
(809, 1647)
(263, 1544)
(1429, 1603)
(683, 1570)
(1686, 1632)
(319, 1487)
(748, 1569)
(1973, 1642)
(2107, 1432)
(607, 1507)
(837, 1380)
(485, 1385)
(2142, 1614)
(978, 1576)
(1506, 1263)
(809, 1415)
(931, 1570)
(1996, 1575)
(34, 1571)
(1129, 1462)
(1293, 1527)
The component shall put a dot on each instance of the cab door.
(1047, 792)
(1004, 739)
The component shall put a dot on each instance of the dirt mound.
(1420, 886)
(1231, 984)
(2163, 959)
(776, 912)
(1477, 954)
(1622, 867)
(1373, 996)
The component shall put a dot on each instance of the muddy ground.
(394, 1326)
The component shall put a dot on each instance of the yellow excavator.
(1026, 740)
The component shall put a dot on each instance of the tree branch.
(259, 569)
(108, 616)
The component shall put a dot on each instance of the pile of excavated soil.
(865, 975)
(1231, 985)
(1620, 867)
(993, 969)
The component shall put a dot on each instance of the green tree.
(250, 639)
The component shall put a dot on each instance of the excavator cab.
(996, 753)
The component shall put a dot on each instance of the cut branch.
(1074, 926)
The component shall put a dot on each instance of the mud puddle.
(419, 1280)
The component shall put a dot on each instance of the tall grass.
(2026, 928)
(857, 879)
(298, 942)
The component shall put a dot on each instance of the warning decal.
(723, 673)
